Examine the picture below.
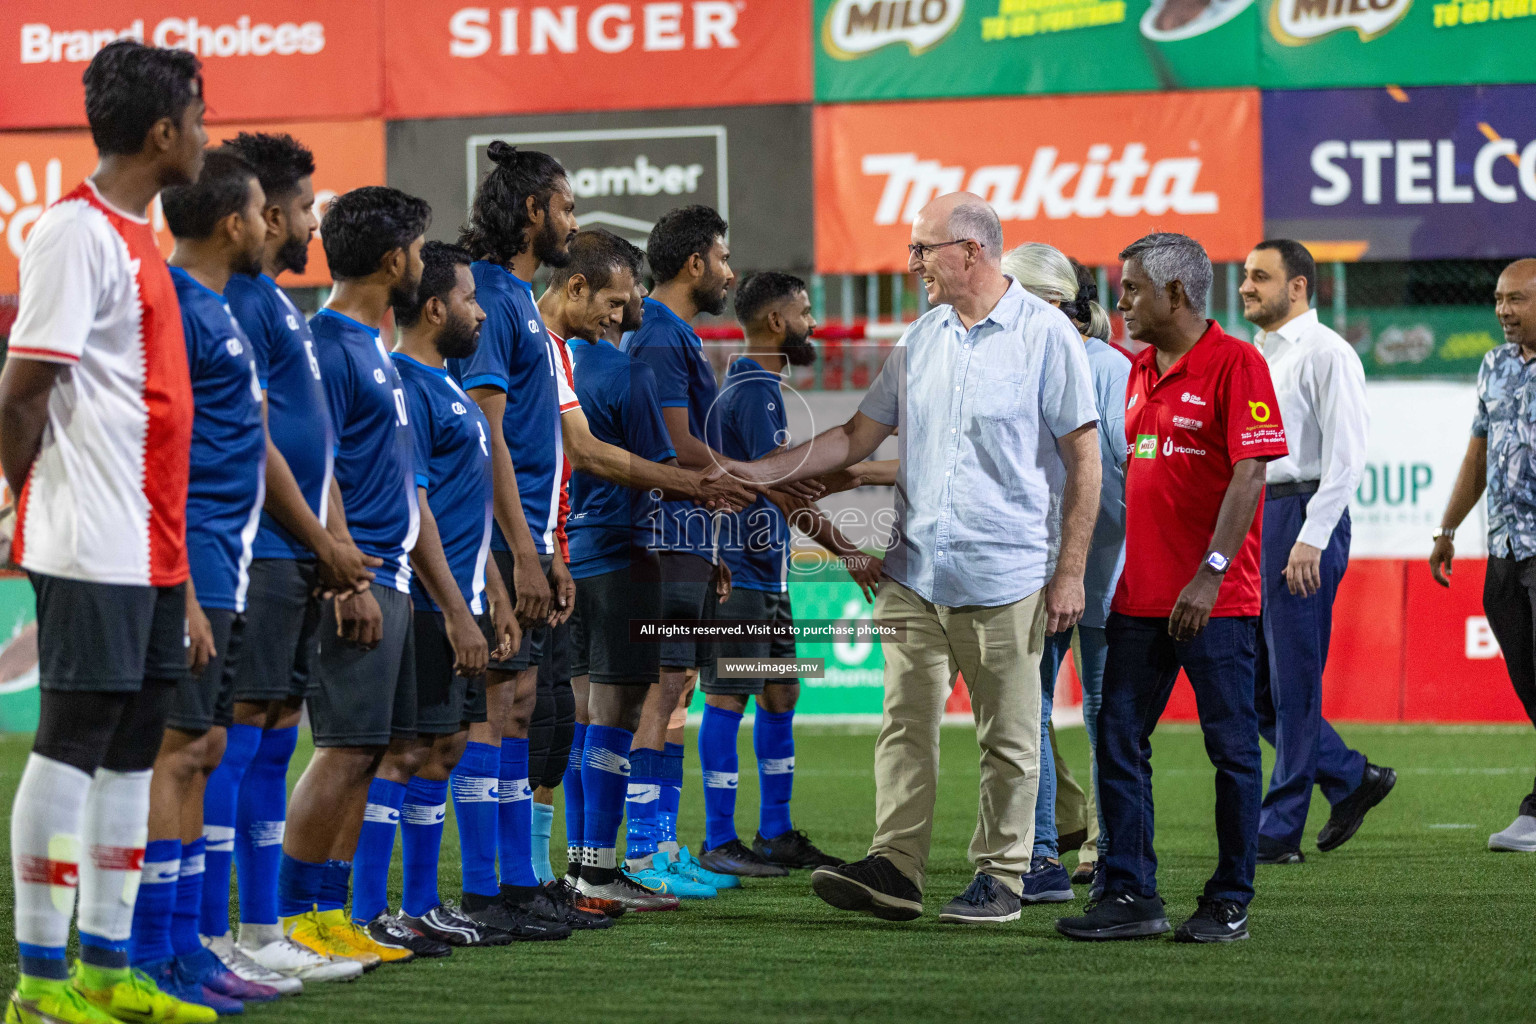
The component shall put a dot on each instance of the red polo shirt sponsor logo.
(1185, 431)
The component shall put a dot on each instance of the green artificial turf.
(1412, 920)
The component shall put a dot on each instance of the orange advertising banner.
(277, 58)
(36, 168)
(1088, 174)
(444, 58)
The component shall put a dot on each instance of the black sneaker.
(1272, 851)
(389, 931)
(533, 901)
(1117, 916)
(495, 912)
(1215, 921)
(985, 901)
(793, 850)
(1349, 813)
(565, 897)
(449, 924)
(733, 858)
(872, 885)
(1096, 883)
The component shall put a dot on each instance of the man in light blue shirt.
(993, 395)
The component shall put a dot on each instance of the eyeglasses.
(920, 251)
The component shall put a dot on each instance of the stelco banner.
(445, 58)
(275, 58)
(753, 164)
(1395, 174)
(892, 49)
(1088, 174)
(36, 168)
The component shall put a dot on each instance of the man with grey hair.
(1201, 420)
(966, 577)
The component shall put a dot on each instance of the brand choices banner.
(753, 164)
(1394, 174)
(261, 60)
(446, 58)
(895, 49)
(1089, 174)
(36, 168)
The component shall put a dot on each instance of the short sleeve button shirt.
(1185, 430)
(1506, 416)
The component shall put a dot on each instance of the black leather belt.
(1291, 490)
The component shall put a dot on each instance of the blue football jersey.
(229, 447)
(297, 417)
(516, 356)
(618, 397)
(453, 462)
(375, 455)
(755, 541)
(684, 379)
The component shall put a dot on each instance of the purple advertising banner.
(1391, 174)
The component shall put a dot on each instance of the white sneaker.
(288, 958)
(237, 960)
(1520, 837)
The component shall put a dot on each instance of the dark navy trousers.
(1288, 692)
(1143, 663)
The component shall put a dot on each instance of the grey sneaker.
(985, 901)
(1520, 837)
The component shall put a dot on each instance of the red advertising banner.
(277, 58)
(36, 168)
(1088, 174)
(444, 58)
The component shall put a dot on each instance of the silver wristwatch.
(1443, 531)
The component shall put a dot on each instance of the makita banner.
(1089, 174)
(1397, 174)
(446, 58)
(261, 60)
(36, 168)
(753, 164)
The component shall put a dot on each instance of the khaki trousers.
(998, 651)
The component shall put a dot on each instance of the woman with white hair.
(1048, 273)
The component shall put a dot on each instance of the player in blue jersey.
(217, 224)
(774, 311)
(523, 216)
(362, 669)
(299, 546)
(615, 467)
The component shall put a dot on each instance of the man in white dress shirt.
(1320, 383)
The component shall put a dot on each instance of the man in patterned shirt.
(1499, 459)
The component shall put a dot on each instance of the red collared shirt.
(1184, 432)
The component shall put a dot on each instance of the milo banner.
(910, 49)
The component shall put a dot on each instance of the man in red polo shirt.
(1201, 420)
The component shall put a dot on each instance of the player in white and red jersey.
(95, 432)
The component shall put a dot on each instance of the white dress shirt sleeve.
(1343, 417)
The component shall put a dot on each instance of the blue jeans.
(1144, 662)
(1058, 648)
(1288, 687)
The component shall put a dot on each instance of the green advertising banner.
(18, 656)
(1420, 341)
(912, 49)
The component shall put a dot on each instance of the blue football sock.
(773, 740)
(189, 899)
(575, 795)
(671, 795)
(333, 885)
(375, 847)
(260, 819)
(514, 817)
(541, 827)
(219, 802)
(298, 885)
(717, 759)
(643, 799)
(475, 803)
(421, 842)
(605, 777)
(155, 907)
